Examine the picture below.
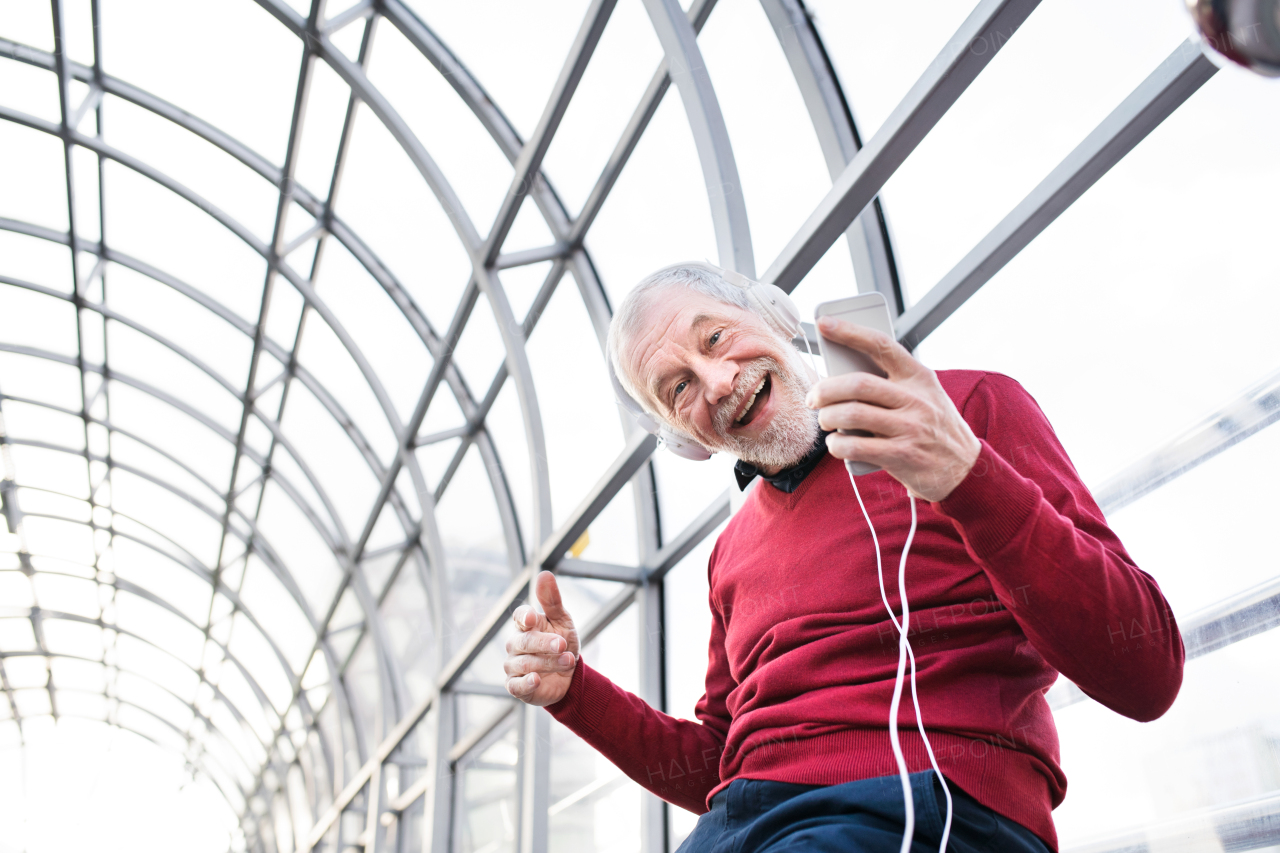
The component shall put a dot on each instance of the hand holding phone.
(866, 309)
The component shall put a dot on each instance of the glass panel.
(156, 226)
(84, 172)
(487, 806)
(304, 553)
(38, 379)
(366, 690)
(619, 72)
(203, 334)
(594, 806)
(1012, 127)
(28, 89)
(32, 703)
(231, 682)
(529, 230)
(505, 427)
(579, 414)
(25, 672)
(143, 693)
(345, 475)
(408, 230)
(471, 161)
(73, 703)
(522, 284)
(159, 627)
(478, 571)
(189, 527)
(688, 635)
(326, 111)
(36, 261)
(70, 674)
(61, 540)
(584, 597)
(76, 596)
(197, 445)
(37, 502)
(283, 317)
(264, 76)
(140, 357)
(15, 591)
(160, 665)
(782, 171)
(1216, 745)
(1121, 245)
(254, 653)
(1220, 547)
(278, 614)
(30, 24)
(198, 165)
(35, 192)
(877, 71)
(658, 211)
(43, 424)
(410, 629)
(31, 319)
(61, 637)
(480, 351)
(394, 351)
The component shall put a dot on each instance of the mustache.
(747, 382)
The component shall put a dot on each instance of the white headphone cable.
(904, 652)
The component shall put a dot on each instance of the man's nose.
(720, 376)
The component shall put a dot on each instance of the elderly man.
(1013, 577)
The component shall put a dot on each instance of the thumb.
(549, 597)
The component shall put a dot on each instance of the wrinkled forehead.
(671, 323)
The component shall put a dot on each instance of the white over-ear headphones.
(768, 300)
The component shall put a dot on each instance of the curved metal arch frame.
(118, 725)
(192, 564)
(112, 626)
(938, 89)
(209, 209)
(196, 712)
(270, 560)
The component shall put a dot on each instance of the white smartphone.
(865, 309)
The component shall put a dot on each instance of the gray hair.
(630, 317)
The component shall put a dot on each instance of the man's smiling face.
(720, 374)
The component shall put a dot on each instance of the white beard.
(794, 428)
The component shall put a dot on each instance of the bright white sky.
(1148, 305)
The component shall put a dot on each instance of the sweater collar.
(788, 479)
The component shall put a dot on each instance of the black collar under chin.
(788, 479)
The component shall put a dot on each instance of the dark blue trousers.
(857, 817)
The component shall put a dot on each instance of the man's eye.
(680, 387)
(715, 338)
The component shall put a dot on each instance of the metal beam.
(529, 163)
(978, 39)
(1254, 410)
(710, 135)
(868, 237)
(1155, 99)
(1250, 825)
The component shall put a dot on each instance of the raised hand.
(541, 659)
(919, 436)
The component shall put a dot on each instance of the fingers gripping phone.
(865, 309)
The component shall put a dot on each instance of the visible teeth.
(752, 401)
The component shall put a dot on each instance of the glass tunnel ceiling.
(300, 354)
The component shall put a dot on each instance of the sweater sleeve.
(1029, 521)
(678, 760)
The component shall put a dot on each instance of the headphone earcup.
(683, 446)
(773, 303)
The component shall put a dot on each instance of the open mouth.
(755, 403)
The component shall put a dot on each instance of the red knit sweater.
(1012, 579)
